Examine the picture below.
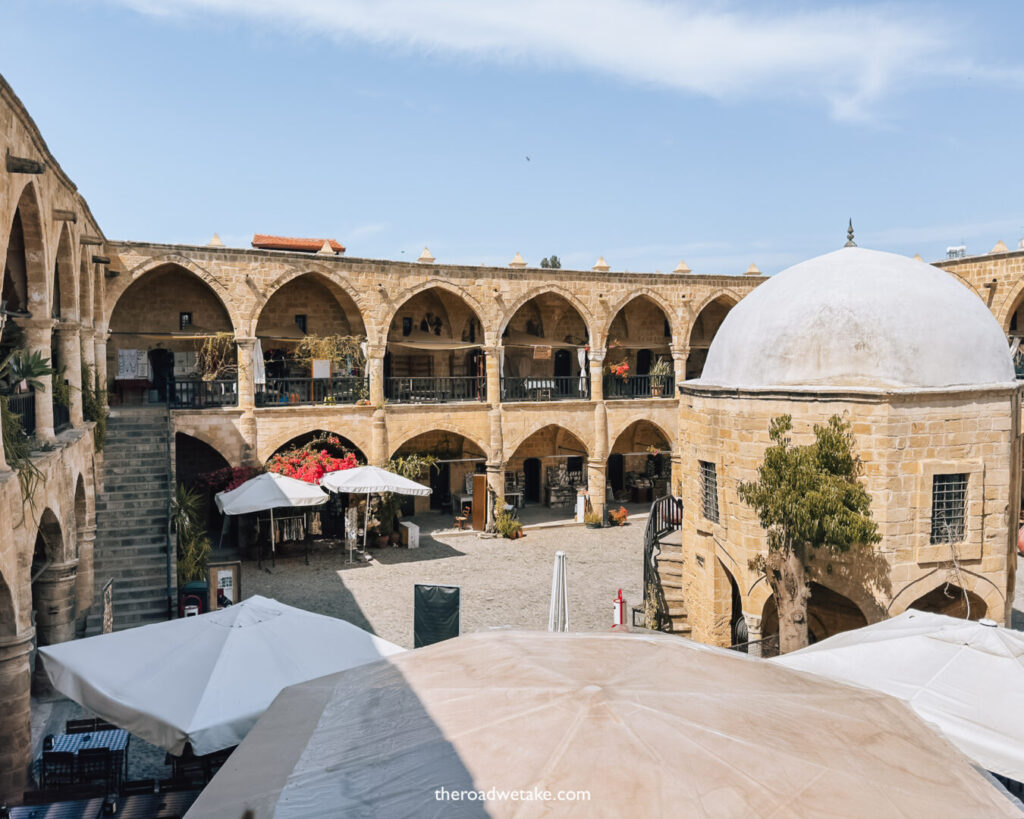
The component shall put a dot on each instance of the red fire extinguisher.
(619, 617)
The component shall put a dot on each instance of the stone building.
(920, 368)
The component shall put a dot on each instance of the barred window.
(709, 490)
(949, 501)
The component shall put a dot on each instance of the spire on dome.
(849, 236)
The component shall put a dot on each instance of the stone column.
(53, 597)
(99, 344)
(679, 356)
(496, 483)
(15, 705)
(492, 362)
(597, 464)
(676, 487)
(597, 373)
(38, 337)
(379, 439)
(753, 634)
(71, 357)
(86, 567)
(247, 398)
(88, 348)
(375, 371)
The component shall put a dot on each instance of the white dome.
(859, 318)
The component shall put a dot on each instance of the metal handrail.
(545, 387)
(292, 391)
(639, 386)
(23, 404)
(435, 389)
(194, 393)
(666, 517)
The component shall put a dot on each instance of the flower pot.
(597, 525)
(656, 392)
(383, 540)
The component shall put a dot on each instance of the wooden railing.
(639, 386)
(308, 391)
(545, 388)
(436, 389)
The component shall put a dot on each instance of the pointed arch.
(49, 537)
(63, 297)
(357, 433)
(335, 281)
(585, 313)
(401, 299)
(1010, 307)
(938, 578)
(642, 293)
(86, 306)
(706, 321)
(169, 260)
(25, 285)
(634, 425)
(513, 444)
(442, 426)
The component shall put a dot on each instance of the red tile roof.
(265, 242)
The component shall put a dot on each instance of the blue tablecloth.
(115, 739)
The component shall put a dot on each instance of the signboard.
(132, 365)
(542, 353)
(225, 585)
(108, 607)
(321, 368)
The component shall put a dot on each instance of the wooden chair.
(462, 521)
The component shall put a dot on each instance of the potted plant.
(660, 371)
(592, 520)
(507, 526)
(620, 370)
(618, 516)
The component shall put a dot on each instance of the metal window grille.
(709, 490)
(949, 502)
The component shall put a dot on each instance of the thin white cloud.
(849, 56)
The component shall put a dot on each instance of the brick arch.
(585, 313)
(613, 436)
(219, 289)
(65, 274)
(1005, 310)
(8, 617)
(363, 307)
(83, 507)
(435, 284)
(721, 293)
(442, 426)
(268, 445)
(206, 437)
(633, 295)
(52, 533)
(870, 616)
(980, 585)
(37, 282)
(512, 448)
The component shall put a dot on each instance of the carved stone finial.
(849, 236)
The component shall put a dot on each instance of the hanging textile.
(581, 356)
(259, 370)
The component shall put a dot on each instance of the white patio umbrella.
(205, 680)
(645, 724)
(964, 677)
(269, 491)
(370, 480)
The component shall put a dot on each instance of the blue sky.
(720, 133)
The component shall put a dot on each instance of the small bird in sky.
(527, 159)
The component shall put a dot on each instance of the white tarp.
(367, 480)
(206, 679)
(965, 677)
(259, 367)
(645, 724)
(269, 491)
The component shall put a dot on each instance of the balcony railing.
(436, 390)
(23, 404)
(310, 391)
(194, 393)
(639, 386)
(545, 388)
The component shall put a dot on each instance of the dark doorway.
(643, 362)
(616, 471)
(387, 385)
(161, 366)
(440, 484)
(531, 480)
(563, 371)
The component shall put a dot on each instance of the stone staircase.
(131, 518)
(670, 571)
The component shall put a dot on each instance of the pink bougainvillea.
(226, 479)
(312, 461)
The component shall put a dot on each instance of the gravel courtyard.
(505, 583)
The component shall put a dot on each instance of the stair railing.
(666, 517)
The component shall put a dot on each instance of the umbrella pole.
(366, 521)
(273, 546)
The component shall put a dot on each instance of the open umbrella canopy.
(644, 724)
(370, 480)
(965, 677)
(207, 679)
(269, 491)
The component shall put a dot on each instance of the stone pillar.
(676, 487)
(753, 634)
(38, 337)
(375, 372)
(15, 705)
(99, 344)
(496, 483)
(379, 439)
(492, 362)
(597, 464)
(86, 567)
(53, 597)
(679, 356)
(247, 399)
(597, 373)
(71, 357)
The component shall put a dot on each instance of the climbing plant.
(216, 356)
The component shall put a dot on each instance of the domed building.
(920, 368)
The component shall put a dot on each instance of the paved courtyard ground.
(505, 583)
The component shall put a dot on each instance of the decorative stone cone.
(425, 256)
(325, 249)
(601, 266)
(215, 241)
(518, 261)
(752, 270)
(1000, 247)
(917, 257)
(682, 267)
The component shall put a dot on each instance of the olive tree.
(808, 498)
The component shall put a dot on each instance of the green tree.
(551, 261)
(808, 498)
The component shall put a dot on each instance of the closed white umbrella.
(644, 724)
(964, 677)
(205, 680)
(370, 480)
(558, 610)
(269, 491)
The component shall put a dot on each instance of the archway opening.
(435, 351)
(23, 267)
(169, 331)
(729, 602)
(639, 358)
(544, 352)
(311, 333)
(640, 463)
(705, 327)
(53, 603)
(336, 444)
(202, 469)
(953, 601)
(828, 613)
(62, 289)
(81, 506)
(450, 479)
(547, 468)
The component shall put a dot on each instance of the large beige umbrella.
(633, 724)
